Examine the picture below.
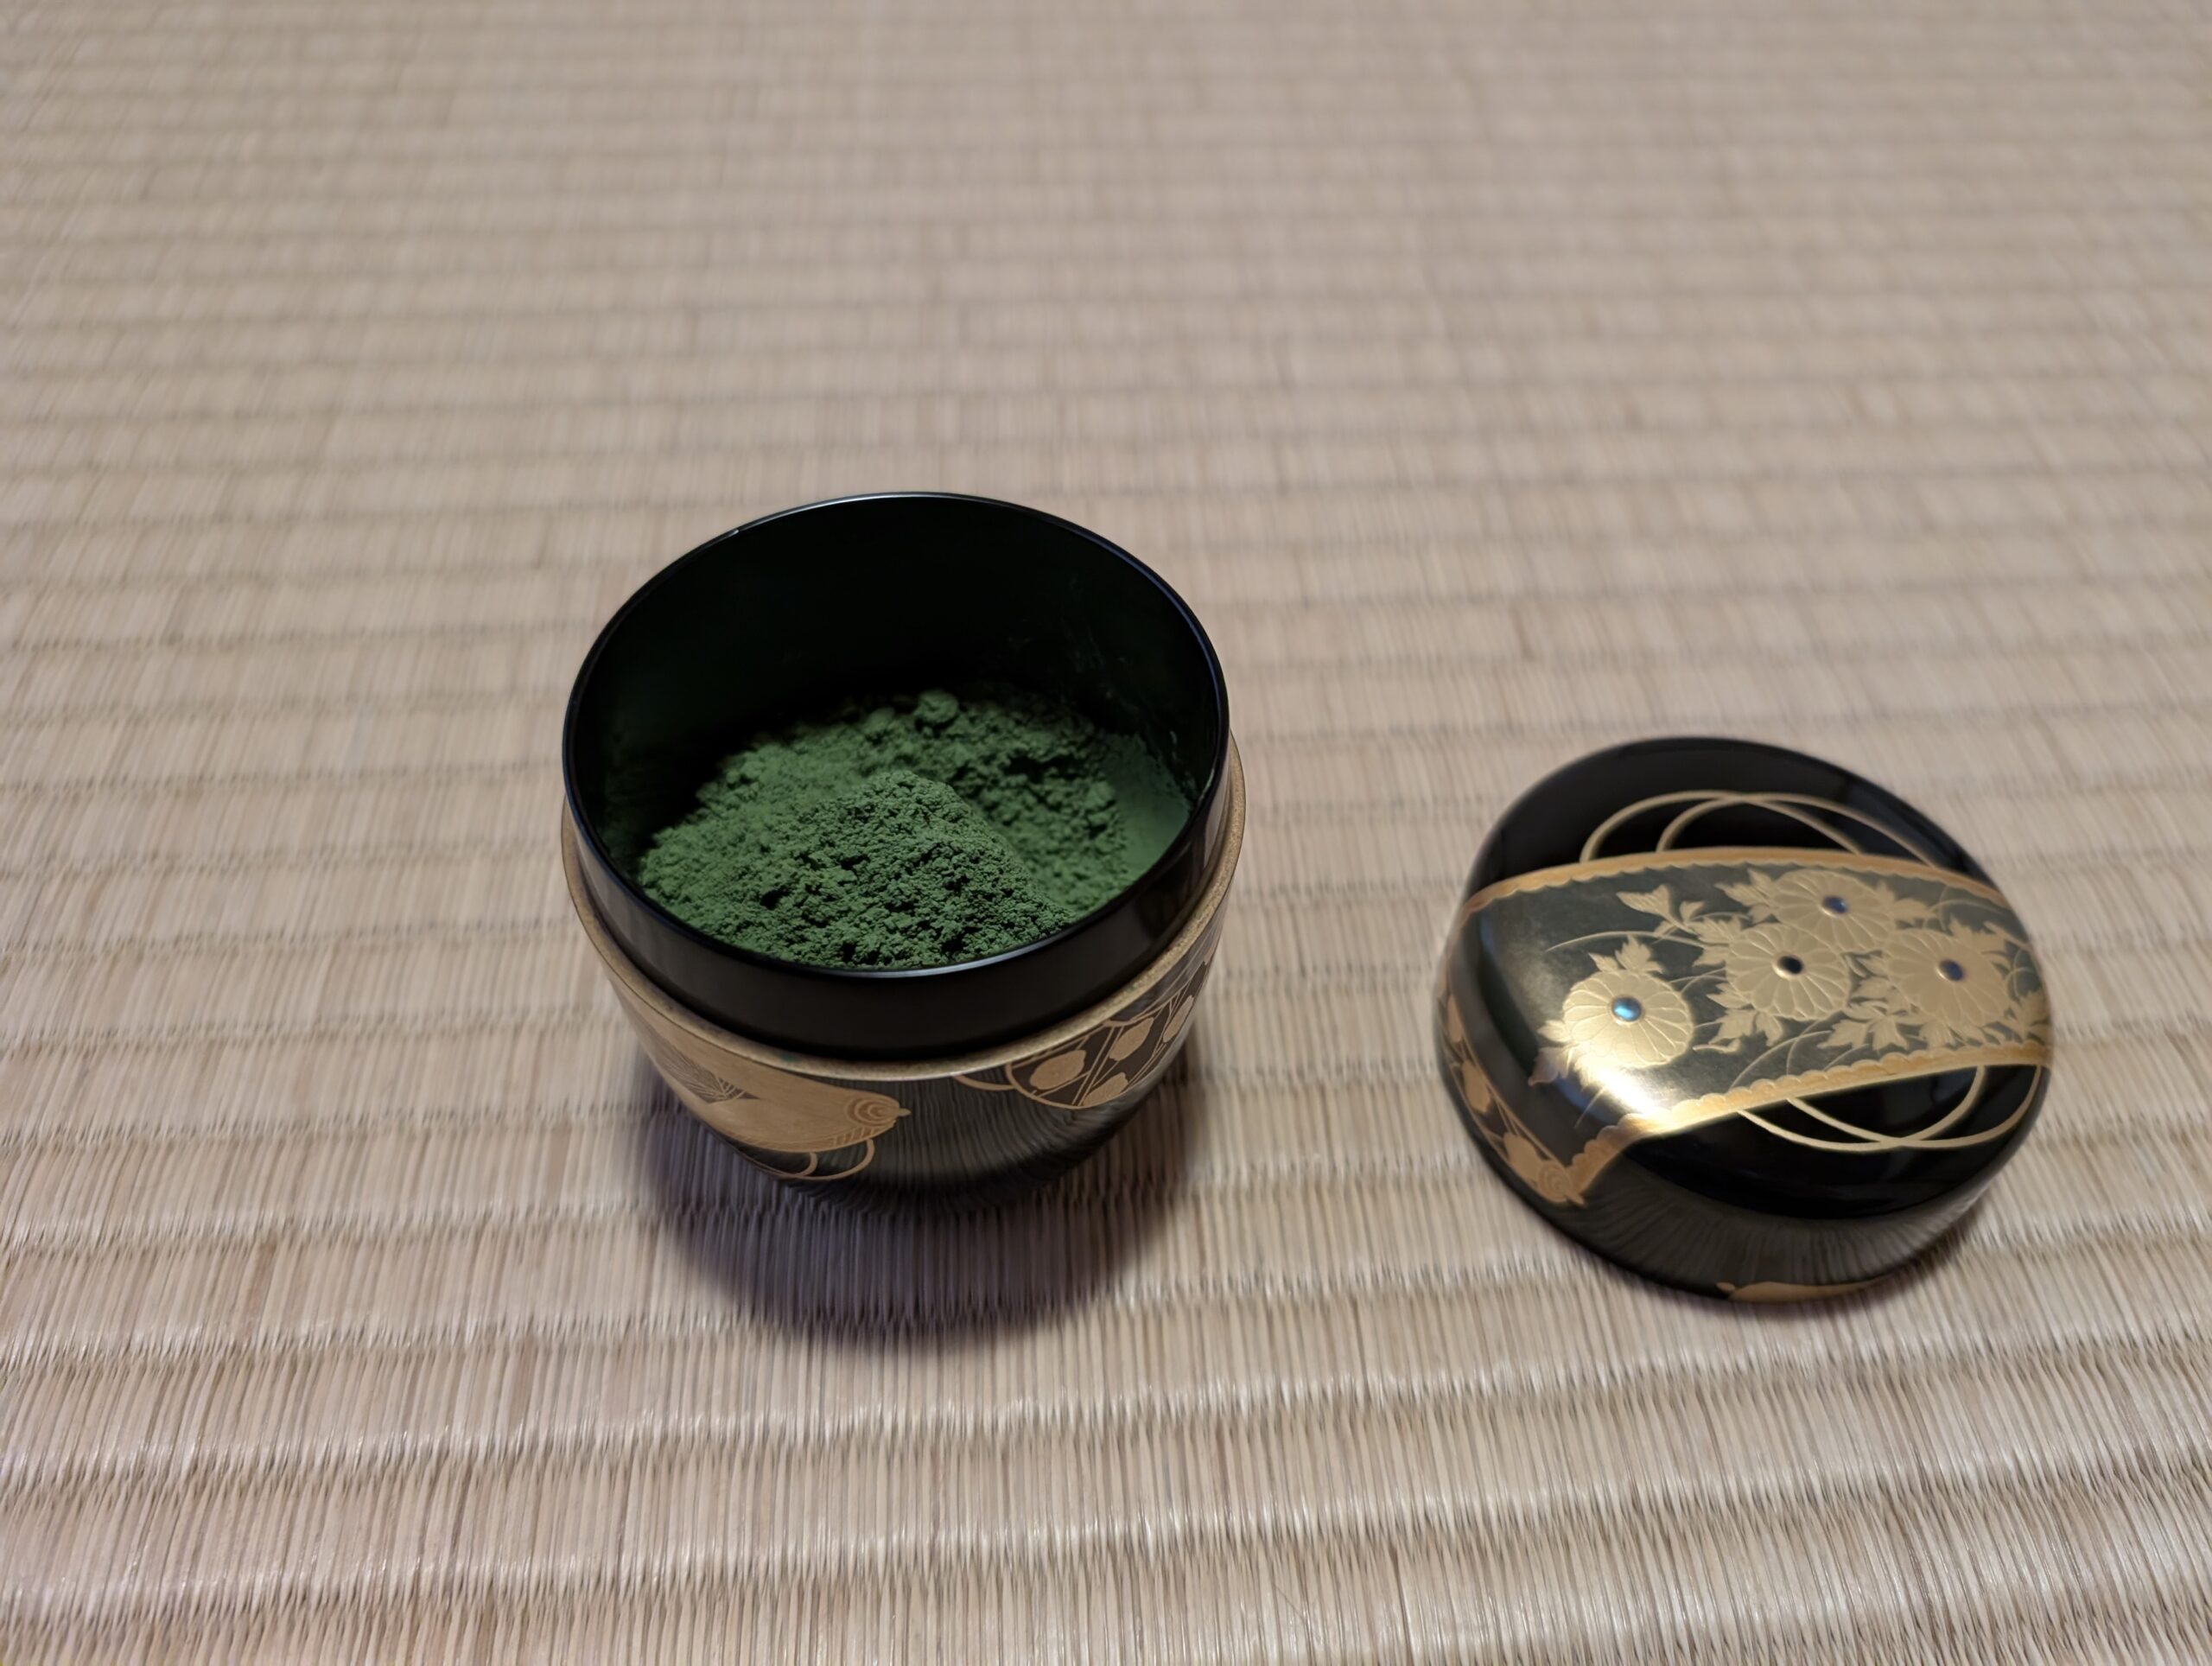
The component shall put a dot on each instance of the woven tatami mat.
(1498, 381)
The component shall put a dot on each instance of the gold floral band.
(1678, 988)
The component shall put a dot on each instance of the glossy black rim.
(1197, 833)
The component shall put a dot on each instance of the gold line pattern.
(1781, 1090)
(1790, 805)
(1569, 1181)
(1675, 829)
(1931, 1138)
(1541, 879)
(1860, 963)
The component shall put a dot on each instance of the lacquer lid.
(1737, 1019)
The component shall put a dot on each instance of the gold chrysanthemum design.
(1791, 978)
(1624, 1018)
(1852, 914)
(1797, 969)
(1492, 1120)
(1783, 972)
(1956, 980)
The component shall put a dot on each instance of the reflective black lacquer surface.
(1738, 1018)
(945, 1130)
(874, 595)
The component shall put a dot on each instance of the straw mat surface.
(1499, 381)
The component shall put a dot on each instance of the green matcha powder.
(921, 832)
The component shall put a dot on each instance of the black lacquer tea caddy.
(1737, 1019)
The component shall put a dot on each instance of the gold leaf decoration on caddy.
(1691, 985)
(1506, 1134)
(769, 1111)
(1840, 825)
(830, 1130)
(1116, 1059)
(1624, 1013)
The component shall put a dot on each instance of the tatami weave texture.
(1499, 381)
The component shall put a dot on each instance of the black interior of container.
(872, 598)
(792, 616)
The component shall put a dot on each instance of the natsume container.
(1737, 1019)
(979, 1077)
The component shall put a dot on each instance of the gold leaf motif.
(1660, 902)
(1543, 1173)
(1737, 986)
(687, 1075)
(1635, 958)
(1140, 1043)
(1112, 1088)
(1058, 1070)
(1755, 891)
(1733, 1029)
(1556, 1182)
(1131, 1038)
(693, 1082)
(1473, 1085)
(1716, 930)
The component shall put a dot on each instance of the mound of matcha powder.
(918, 832)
